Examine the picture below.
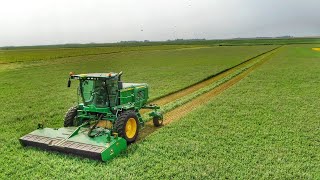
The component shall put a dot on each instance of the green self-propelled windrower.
(104, 121)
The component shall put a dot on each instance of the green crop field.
(265, 126)
(22, 55)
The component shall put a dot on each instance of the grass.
(36, 91)
(264, 127)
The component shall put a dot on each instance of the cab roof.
(94, 76)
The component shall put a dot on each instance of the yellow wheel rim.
(131, 128)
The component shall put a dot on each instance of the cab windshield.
(93, 92)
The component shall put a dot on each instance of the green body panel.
(115, 148)
(126, 95)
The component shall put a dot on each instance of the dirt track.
(182, 110)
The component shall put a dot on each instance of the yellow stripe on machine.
(83, 75)
(316, 49)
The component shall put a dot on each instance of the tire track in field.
(179, 112)
(205, 82)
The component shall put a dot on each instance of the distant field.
(222, 42)
(23, 55)
(38, 53)
(252, 42)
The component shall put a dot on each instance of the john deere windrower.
(103, 122)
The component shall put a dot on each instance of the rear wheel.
(127, 126)
(70, 115)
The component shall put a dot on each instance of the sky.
(43, 22)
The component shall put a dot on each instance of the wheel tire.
(157, 121)
(127, 126)
(70, 115)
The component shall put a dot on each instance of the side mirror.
(119, 76)
(69, 82)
